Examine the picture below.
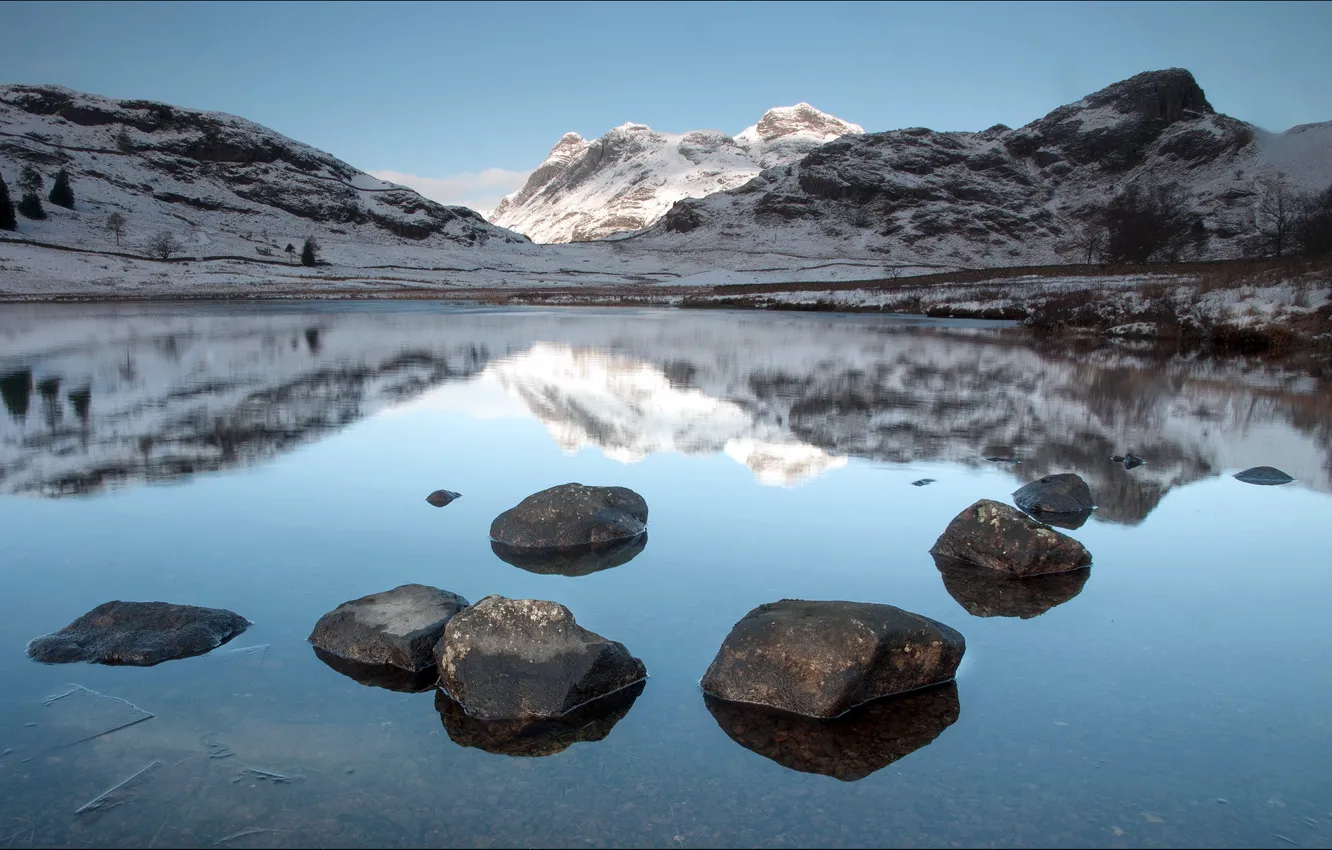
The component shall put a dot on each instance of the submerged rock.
(514, 658)
(922, 482)
(850, 747)
(1000, 537)
(396, 628)
(1072, 521)
(572, 561)
(989, 593)
(1064, 493)
(1263, 475)
(571, 515)
(138, 633)
(382, 675)
(822, 659)
(536, 736)
(440, 498)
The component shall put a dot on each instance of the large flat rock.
(138, 633)
(396, 628)
(823, 658)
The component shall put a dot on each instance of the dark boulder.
(1064, 493)
(396, 628)
(988, 593)
(514, 658)
(1129, 460)
(572, 561)
(382, 675)
(138, 633)
(571, 515)
(536, 736)
(850, 747)
(1001, 537)
(922, 482)
(821, 659)
(1263, 475)
(440, 498)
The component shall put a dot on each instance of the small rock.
(396, 628)
(922, 482)
(516, 658)
(571, 515)
(440, 498)
(1267, 475)
(1064, 493)
(990, 593)
(821, 659)
(1129, 460)
(573, 560)
(999, 537)
(850, 747)
(536, 736)
(138, 633)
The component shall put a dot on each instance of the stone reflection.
(572, 561)
(990, 593)
(1070, 520)
(851, 747)
(381, 676)
(536, 736)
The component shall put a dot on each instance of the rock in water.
(440, 498)
(396, 628)
(571, 515)
(575, 560)
(850, 747)
(138, 633)
(988, 593)
(1263, 475)
(1065, 493)
(821, 659)
(1002, 538)
(922, 482)
(536, 736)
(1129, 460)
(513, 658)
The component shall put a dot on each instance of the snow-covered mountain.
(629, 177)
(1005, 197)
(111, 395)
(222, 185)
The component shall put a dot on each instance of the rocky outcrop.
(990, 593)
(536, 736)
(998, 537)
(850, 747)
(1267, 475)
(821, 659)
(504, 659)
(571, 515)
(627, 179)
(396, 628)
(572, 561)
(138, 633)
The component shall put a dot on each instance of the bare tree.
(1147, 222)
(116, 224)
(163, 245)
(1089, 239)
(1278, 209)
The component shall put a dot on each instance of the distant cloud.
(480, 190)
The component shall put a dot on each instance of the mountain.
(113, 395)
(629, 177)
(1005, 197)
(221, 184)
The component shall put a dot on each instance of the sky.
(462, 100)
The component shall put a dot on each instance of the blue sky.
(470, 96)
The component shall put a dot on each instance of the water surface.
(274, 460)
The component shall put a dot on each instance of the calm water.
(274, 460)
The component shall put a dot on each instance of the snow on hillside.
(629, 177)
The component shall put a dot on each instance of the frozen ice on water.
(116, 794)
(80, 714)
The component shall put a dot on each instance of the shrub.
(163, 245)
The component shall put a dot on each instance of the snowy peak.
(802, 119)
(627, 179)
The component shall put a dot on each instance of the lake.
(274, 459)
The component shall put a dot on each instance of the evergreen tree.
(31, 206)
(308, 251)
(62, 195)
(8, 221)
(30, 181)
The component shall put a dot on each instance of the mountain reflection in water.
(105, 396)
